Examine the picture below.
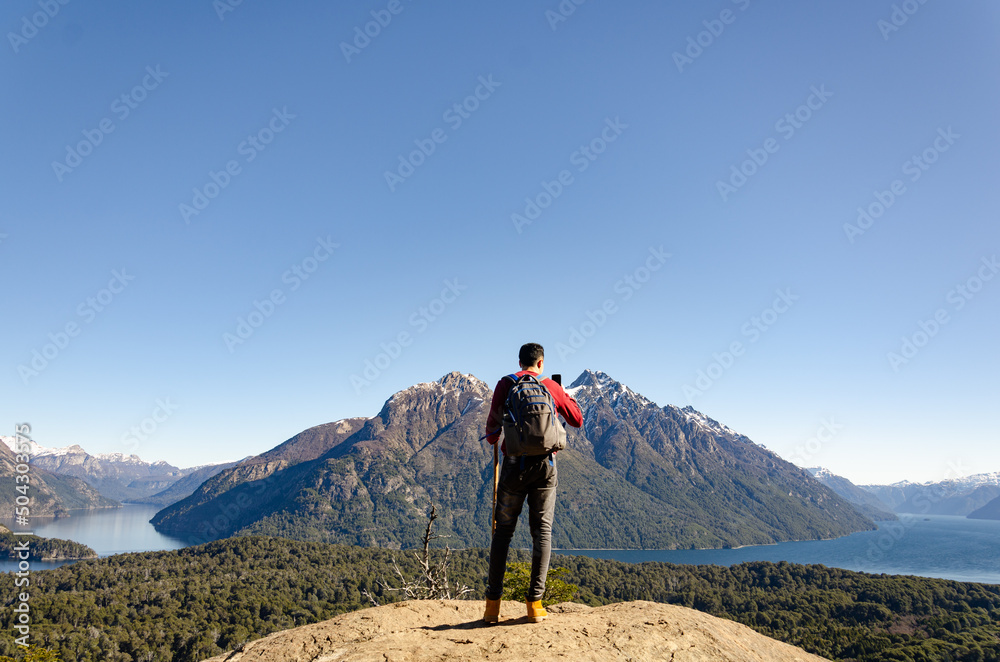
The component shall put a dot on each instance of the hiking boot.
(492, 614)
(536, 612)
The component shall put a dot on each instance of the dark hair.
(530, 353)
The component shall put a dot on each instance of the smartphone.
(557, 378)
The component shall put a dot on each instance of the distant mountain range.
(636, 476)
(50, 495)
(990, 511)
(957, 496)
(866, 502)
(120, 477)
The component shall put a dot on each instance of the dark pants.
(533, 478)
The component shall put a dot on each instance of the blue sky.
(200, 239)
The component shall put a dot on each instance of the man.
(531, 477)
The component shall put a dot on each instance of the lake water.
(929, 546)
(108, 531)
(932, 546)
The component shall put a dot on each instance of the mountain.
(233, 498)
(635, 476)
(865, 502)
(50, 495)
(121, 477)
(990, 511)
(185, 486)
(956, 496)
(638, 630)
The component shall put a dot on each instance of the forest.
(193, 603)
(41, 549)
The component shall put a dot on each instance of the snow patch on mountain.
(626, 403)
(461, 382)
(473, 402)
(963, 483)
(37, 450)
(453, 382)
(622, 400)
(343, 425)
(121, 458)
(699, 419)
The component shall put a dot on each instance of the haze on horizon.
(264, 218)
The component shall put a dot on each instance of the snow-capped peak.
(453, 382)
(622, 400)
(37, 450)
(121, 458)
(970, 482)
(703, 421)
(458, 381)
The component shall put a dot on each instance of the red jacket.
(566, 406)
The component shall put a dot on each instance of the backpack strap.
(512, 377)
(506, 401)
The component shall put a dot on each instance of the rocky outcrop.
(452, 630)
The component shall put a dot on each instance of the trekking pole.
(496, 480)
(496, 483)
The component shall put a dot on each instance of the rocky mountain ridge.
(121, 477)
(954, 496)
(51, 495)
(866, 502)
(635, 476)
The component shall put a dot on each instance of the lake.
(928, 546)
(108, 531)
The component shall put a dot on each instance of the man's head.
(531, 356)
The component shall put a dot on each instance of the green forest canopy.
(193, 603)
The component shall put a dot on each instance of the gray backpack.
(530, 423)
